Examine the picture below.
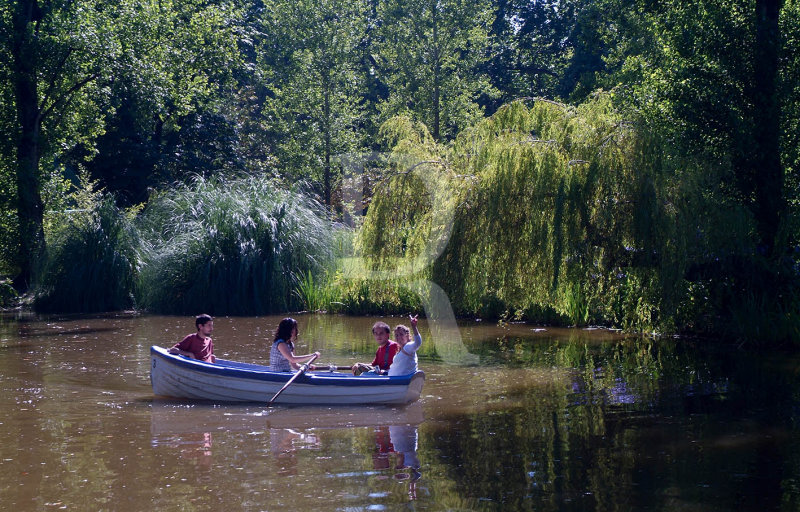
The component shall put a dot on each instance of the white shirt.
(405, 360)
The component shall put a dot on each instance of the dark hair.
(285, 328)
(381, 325)
(202, 320)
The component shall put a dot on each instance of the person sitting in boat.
(383, 357)
(281, 355)
(405, 361)
(198, 345)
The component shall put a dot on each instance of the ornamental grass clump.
(231, 246)
(91, 258)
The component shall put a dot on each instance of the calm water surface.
(527, 419)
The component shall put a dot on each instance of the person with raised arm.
(405, 361)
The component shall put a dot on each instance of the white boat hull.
(227, 381)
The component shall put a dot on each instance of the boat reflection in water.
(284, 434)
(180, 416)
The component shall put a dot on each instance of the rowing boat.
(229, 381)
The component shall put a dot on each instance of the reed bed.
(230, 246)
(91, 259)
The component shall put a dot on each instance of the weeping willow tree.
(230, 246)
(551, 213)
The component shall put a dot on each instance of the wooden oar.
(301, 371)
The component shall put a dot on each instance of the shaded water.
(542, 420)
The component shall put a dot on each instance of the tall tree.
(58, 51)
(310, 67)
(769, 202)
(171, 93)
(709, 74)
(531, 47)
(8, 126)
(789, 93)
(75, 65)
(431, 56)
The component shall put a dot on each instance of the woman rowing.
(281, 356)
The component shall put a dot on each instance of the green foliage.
(230, 246)
(8, 225)
(90, 265)
(547, 212)
(413, 201)
(364, 296)
(353, 290)
(574, 215)
(309, 63)
(316, 295)
(551, 49)
(790, 118)
(716, 78)
(8, 295)
(430, 55)
(758, 318)
(554, 209)
(576, 305)
(170, 112)
(8, 188)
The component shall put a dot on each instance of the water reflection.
(284, 444)
(396, 451)
(404, 439)
(192, 447)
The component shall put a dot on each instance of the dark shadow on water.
(38, 333)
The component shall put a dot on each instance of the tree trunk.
(767, 170)
(29, 206)
(327, 138)
(437, 69)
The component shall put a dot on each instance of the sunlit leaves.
(429, 55)
(309, 67)
(553, 207)
(230, 246)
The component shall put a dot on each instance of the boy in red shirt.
(385, 354)
(198, 345)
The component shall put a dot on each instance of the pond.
(512, 417)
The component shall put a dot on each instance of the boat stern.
(415, 387)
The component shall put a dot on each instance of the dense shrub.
(90, 264)
(230, 246)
